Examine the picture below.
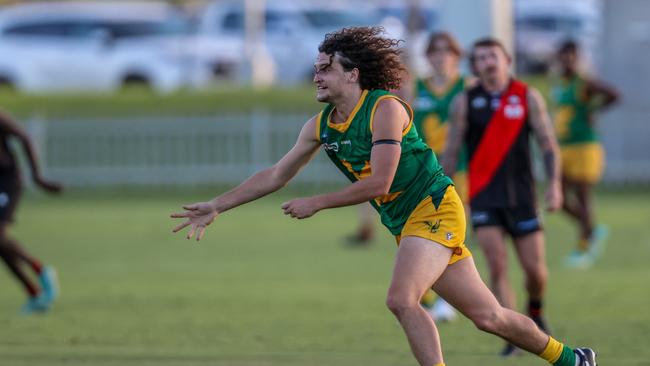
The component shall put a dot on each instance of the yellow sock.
(552, 351)
(428, 299)
(439, 364)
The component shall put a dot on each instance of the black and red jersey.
(498, 143)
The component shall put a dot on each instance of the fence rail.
(226, 149)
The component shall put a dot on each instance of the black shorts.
(10, 190)
(516, 221)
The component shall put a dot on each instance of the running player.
(368, 134)
(40, 298)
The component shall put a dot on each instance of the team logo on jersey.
(495, 103)
(479, 102)
(449, 236)
(334, 146)
(433, 227)
(515, 111)
(346, 142)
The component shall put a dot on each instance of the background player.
(577, 98)
(40, 298)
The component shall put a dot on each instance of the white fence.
(170, 151)
(227, 149)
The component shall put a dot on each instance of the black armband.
(386, 142)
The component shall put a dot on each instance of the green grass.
(263, 289)
(142, 103)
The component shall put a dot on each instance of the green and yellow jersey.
(572, 115)
(431, 112)
(349, 144)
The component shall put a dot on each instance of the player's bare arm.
(389, 122)
(602, 94)
(8, 124)
(201, 214)
(458, 126)
(543, 131)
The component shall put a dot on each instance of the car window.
(41, 29)
(124, 29)
(233, 22)
(551, 23)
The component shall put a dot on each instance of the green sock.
(567, 357)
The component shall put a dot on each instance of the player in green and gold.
(368, 134)
(433, 95)
(577, 97)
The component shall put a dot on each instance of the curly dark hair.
(377, 58)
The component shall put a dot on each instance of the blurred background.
(113, 91)
(140, 106)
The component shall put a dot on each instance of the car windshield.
(137, 28)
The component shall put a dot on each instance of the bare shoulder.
(391, 108)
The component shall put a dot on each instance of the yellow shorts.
(445, 225)
(583, 163)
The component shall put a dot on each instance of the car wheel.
(135, 81)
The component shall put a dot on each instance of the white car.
(541, 25)
(293, 30)
(92, 46)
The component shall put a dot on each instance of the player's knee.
(398, 302)
(489, 320)
(537, 276)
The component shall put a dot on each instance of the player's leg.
(14, 262)
(530, 250)
(418, 264)
(493, 243)
(570, 205)
(461, 286)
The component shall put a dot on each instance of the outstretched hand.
(199, 215)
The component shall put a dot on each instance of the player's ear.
(353, 75)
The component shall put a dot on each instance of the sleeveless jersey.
(349, 144)
(431, 112)
(572, 114)
(508, 182)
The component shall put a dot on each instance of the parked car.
(540, 26)
(292, 32)
(92, 45)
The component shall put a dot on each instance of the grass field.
(262, 289)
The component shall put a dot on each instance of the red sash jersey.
(498, 143)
